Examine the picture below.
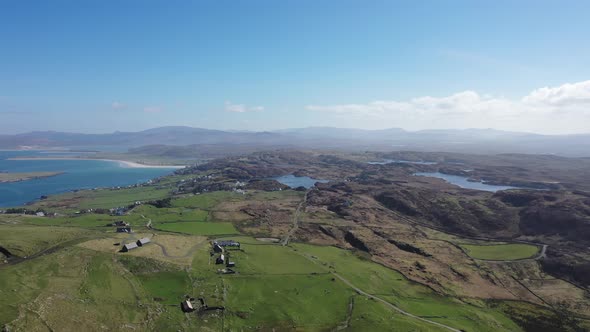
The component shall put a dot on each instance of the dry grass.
(179, 248)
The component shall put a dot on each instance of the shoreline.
(20, 177)
(122, 163)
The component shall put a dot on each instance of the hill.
(482, 141)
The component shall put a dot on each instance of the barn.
(187, 306)
(129, 246)
(143, 241)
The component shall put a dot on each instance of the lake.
(298, 181)
(462, 182)
(79, 174)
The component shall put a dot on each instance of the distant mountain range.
(467, 140)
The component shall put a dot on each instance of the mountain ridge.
(451, 140)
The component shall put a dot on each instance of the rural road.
(149, 223)
(190, 252)
(358, 290)
(295, 220)
(388, 304)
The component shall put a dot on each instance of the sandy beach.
(122, 163)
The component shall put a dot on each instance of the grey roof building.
(129, 246)
(143, 241)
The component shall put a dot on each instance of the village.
(220, 254)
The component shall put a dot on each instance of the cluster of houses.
(122, 227)
(134, 245)
(219, 247)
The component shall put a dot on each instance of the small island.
(17, 177)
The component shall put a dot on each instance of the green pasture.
(501, 251)
(198, 227)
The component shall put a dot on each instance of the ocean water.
(298, 181)
(78, 174)
(462, 182)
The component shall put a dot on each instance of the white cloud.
(241, 108)
(563, 95)
(562, 109)
(116, 105)
(153, 109)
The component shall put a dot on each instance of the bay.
(78, 174)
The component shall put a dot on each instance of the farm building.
(120, 223)
(220, 259)
(217, 248)
(129, 246)
(143, 241)
(187, 306)
(227, 243)
(126, 229)
(230, 264)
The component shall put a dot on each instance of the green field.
(170, 214)
(295, 287)
(277, 287)
(84, 284)
(198, 227)
(311, 302)
(100, 198)
(205, 201)
(419, 300)
(23, 240)
(500, 251)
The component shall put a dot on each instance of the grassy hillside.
(501, 251)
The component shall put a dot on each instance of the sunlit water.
(298, 181)
(462, 182)
(79, 174)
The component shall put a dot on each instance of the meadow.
(24, 240)
(198, 228)
(511, 251)
(294, 287)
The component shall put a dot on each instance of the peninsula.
(17, 177)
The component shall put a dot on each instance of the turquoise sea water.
(79, 174)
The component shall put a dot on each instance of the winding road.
(376, 298)
(403, 312)
(190, 252)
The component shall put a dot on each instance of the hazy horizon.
(292, 129)
(267, 65)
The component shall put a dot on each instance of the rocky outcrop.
(355, 241)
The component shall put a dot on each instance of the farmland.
(350, 263)
(297, 282)
(501, 251)
(198, 228)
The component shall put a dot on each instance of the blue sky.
(101, 66)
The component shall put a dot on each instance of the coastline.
(122, 163)
(20, 177)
